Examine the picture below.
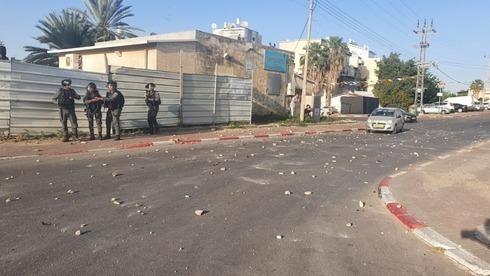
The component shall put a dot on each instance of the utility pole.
(487, 86)
(419, 88)
(305, 68)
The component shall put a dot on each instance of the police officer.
(93, 102)
(152, 99)
(114, 101)
(65, 98)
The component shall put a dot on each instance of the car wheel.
(368, 130)
(394, 130)
(460, 110)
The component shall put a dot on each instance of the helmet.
(112, 83)
(66, 82)
(151, 84)
(91, 84)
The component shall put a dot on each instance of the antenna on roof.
(214, 26)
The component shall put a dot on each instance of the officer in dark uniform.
(152, 99)
(114, 101)
(93, 102)
(65, 98)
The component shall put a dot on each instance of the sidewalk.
(446, 203)
(170, 136)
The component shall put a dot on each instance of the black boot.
(65, 139)
(117, 138)
(92, 136)
(107, 136)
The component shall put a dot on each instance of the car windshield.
(383, 112)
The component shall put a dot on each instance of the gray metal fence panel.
(215, 100)
(31, 91)
(26, 92)
(5, 70)
(131, 82)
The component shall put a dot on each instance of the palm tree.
(327, 60)
(106, 17)
(477, 86)
(67, 30)
(317, 61)
(337, 55)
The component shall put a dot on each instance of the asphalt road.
(241, 187)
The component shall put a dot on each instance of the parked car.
(408, 117)
(485, 104)
(385, 119)
(449, 105)
(328, 110)
(430, 108)
(478, 106)
(460, 107)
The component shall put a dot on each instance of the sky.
(459, 51)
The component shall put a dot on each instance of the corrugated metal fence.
(26, 91)
(215, 99)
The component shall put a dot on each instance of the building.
(200, 53)
(238, 31)
(359, 70)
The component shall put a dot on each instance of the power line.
(453, 79)
(359, 28)
(410, 9)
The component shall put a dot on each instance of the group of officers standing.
(113, 102)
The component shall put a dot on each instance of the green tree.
(74, 28)
(337, 55)
(59, 31)
(106, 17)
(326, 61)
(397, 81)
(476, 87)
(317, 63)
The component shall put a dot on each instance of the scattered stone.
(83, 225)
(104, 164)
(199, 212)
(349, 224)
(303, 142)
(151, 232)
(292, 172)
(308, 193)
(78, 233)
(38, 160)
(187, 196)
(279, 237)
(8, 200)
(114, 174)
(70, 192)
(115, 202)
(281, 173)
(362, 204)
(36, 150)
(274, 144)
(398, 206)
(287, 193)
(223, 169)
(313, 176)
(113, 199)
(180, 249)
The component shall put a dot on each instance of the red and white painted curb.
(427, 234)
(189, 141)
